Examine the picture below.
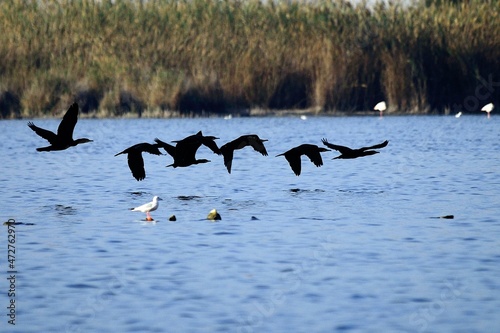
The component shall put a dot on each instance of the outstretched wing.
(341, 149)
(228, 156)
(295, 163)
(68, 123)
(47, 135)
(377, 146)
(314, 156)
(210, 143)
(258, 145)
(168, 148)
(136, 165)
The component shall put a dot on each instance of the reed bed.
(197, 56)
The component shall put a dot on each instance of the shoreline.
(254, 113)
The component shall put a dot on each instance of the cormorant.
(135, 160)
(64, 137)
(312, 151)
(239, 143)
(184, 152)
(346, 152)
(148, 207)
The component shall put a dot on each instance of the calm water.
(348, 247)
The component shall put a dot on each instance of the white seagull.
(149, 207)
(488, 108)
(380, 107)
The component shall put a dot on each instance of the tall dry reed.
(222, 55)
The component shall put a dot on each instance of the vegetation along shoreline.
(185, 58)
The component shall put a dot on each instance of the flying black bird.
(239, 143)
(135, 160)
(346, 153)
(184, 152)
(64, 137)
(311, 151)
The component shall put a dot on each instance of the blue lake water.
(347, 247)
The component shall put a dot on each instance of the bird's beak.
(264, 140)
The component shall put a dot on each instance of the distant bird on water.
(380, 107)
(148, 207)
(488, 108)
(312, 151)
(64, 137)
(348, 153)
(184, 152)
(135, 160)
(245, 140)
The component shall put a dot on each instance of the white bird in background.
(380, 107)
(149, 207)
(488, 108)
(458, 114)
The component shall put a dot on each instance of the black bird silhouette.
(135, 160)
(184, 152)
(64, 137)
(311, 151)
(239, 143)
(346, 152)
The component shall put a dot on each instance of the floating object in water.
(347, 153)
(184, 152)
(253, 140)
(135, 160)
(303, 117)
(449, 217)
(312, 151)
(10, 222)
(458, 114)
(64, 137)
(488, 108)
(380, 107)
(148, 207)
(213, 215)
(172, 218)
(254, 218)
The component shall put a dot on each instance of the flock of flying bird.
(184, 151)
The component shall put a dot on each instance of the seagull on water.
(135, 160)
(312, 151)
(488, 108)
(64, 137)
(252, 140)
(148, 207)
(347, 153)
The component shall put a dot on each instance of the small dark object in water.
(64, 137)
(172, 218)
(252, 140)
(135, 160)
(449, 217)
(312, 151)
(253, 218)
(10, 222)
(348, 153)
